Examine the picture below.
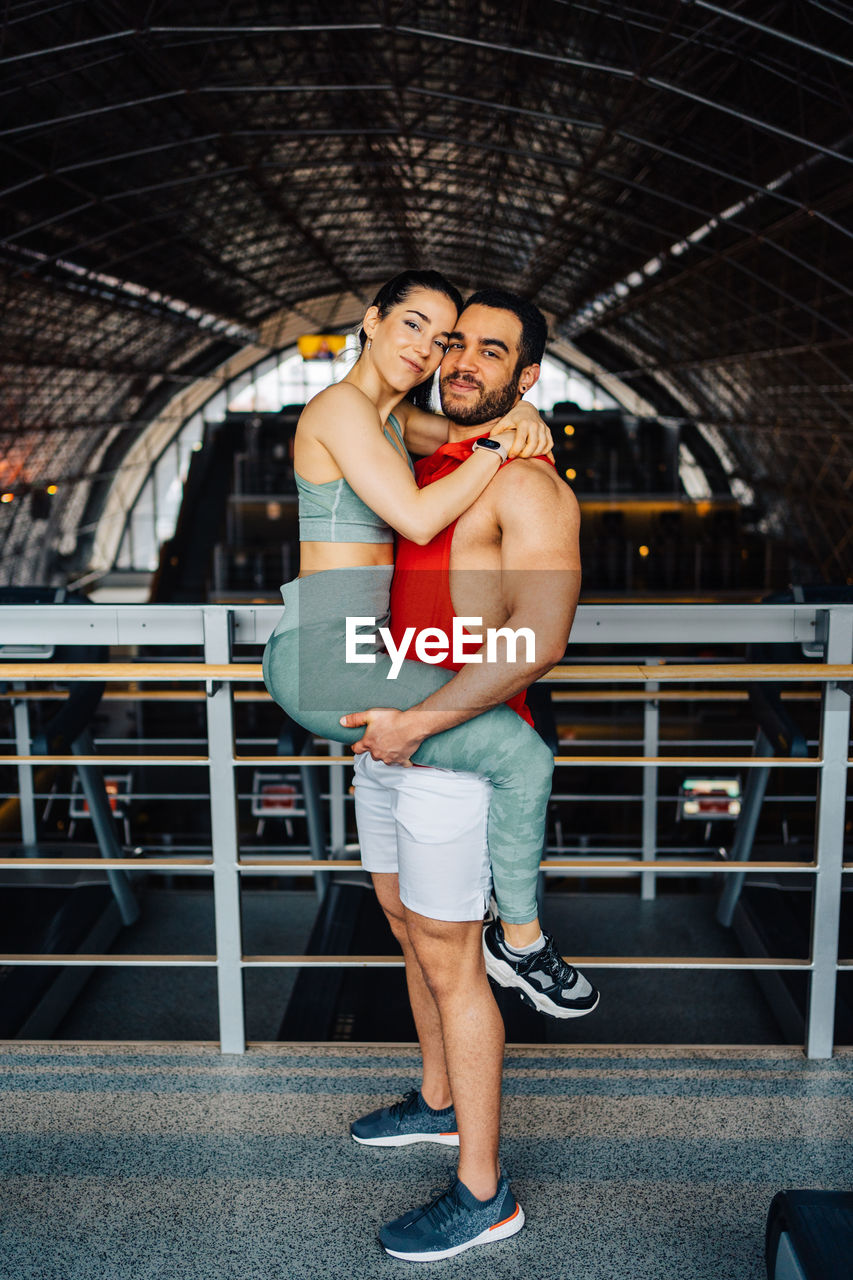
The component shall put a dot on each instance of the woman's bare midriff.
(314, 557)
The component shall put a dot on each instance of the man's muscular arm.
(540, 581)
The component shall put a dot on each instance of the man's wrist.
(416, 723)
(424, 722)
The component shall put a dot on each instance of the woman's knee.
(542, 759)
(524, 762)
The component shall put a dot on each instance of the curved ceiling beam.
(746, 323)
(734, 16)
(627, 73)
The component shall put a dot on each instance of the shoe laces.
(446, 1206)
(407, 1104)
(549, 959)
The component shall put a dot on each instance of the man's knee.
(387, 889)
(449, 952)
(398, 926)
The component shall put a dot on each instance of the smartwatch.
(493, 445)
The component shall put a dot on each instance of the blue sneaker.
(456, 1220)
(409, 1120)
(542, 979)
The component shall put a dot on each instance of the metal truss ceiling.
(672, 182)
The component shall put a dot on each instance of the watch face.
(486, 443)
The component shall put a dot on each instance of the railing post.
(26, 788)
(829, 843)
(314, 818)
(651, 738)
(338, 825)
(224, 836)
(95, 791)
(745, 829)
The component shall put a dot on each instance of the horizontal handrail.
(392, 962)
(558, 695)
(32, 862)
(690, 761)
(110, 958)
(110, 758)
(602, 863)
(131, 671)
(595, 623)
(251, 671)
(674, 695)
(267, 866)
(582, 962)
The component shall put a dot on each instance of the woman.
(356, 485)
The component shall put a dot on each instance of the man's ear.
(370, 321)
(529, 377)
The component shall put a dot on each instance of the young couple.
(475, 540)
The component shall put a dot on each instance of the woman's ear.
(371, 320)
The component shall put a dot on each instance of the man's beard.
(489, 404)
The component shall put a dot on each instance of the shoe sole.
(505, 976)
(501, 1231)
(406, 1140)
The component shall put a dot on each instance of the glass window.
(124, 559)
(189, 441)
(145, 546)
(168, 491)
(290, 380)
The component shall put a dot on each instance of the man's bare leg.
(450, 957)
(435, 1089)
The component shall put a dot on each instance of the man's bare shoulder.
(528, 483)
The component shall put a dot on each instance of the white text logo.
(432, 644)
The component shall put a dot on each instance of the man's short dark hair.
(534, 326)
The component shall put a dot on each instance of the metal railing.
(823, 631)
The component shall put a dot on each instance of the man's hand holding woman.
(390, 735)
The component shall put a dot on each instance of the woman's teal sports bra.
(333, 512)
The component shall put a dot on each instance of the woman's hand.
(532, 436)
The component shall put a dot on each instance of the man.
(512, 560)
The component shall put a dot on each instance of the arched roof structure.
(672, 182)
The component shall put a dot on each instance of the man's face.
(479, 376)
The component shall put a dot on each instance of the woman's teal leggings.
(306, 671)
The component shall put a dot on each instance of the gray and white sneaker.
(542, 979)
(409, 1120)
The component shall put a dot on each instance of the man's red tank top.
(420, 590)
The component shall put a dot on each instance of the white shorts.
(429, 826)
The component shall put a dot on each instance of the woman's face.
(408, 343)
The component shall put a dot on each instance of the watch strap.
(492, 445)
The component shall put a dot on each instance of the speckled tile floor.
(130, 1162)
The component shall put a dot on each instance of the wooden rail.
(391, 962)
(559, 695)
(662, 762)
(296, 866)
(245, 672)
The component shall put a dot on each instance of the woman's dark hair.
(397, 291)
